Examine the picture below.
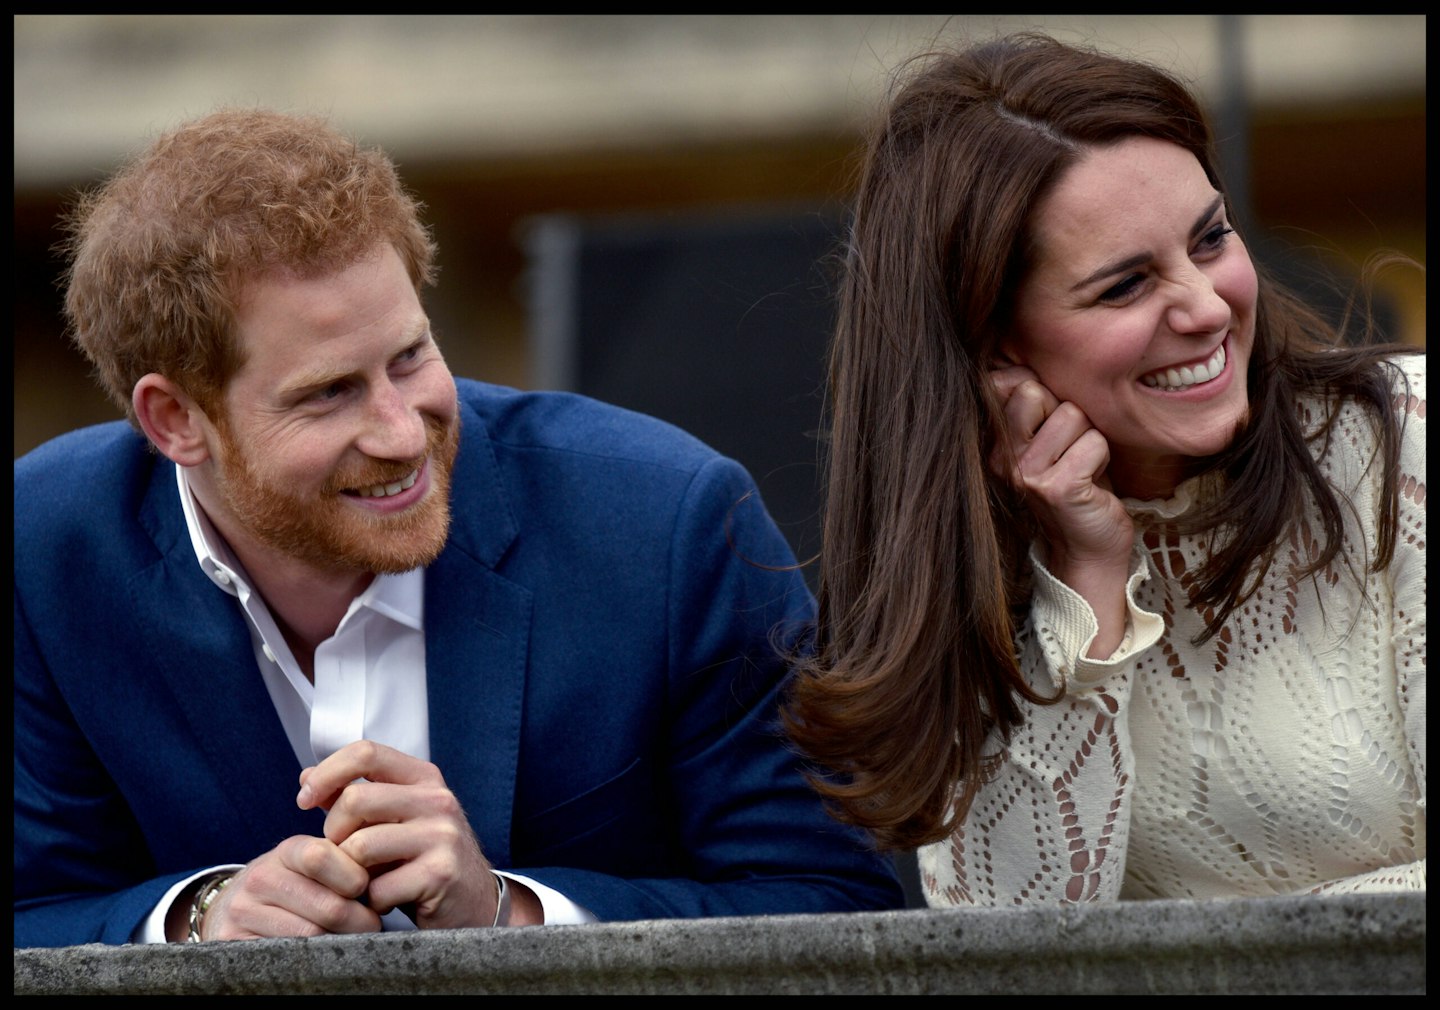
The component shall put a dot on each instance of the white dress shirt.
(369, 684)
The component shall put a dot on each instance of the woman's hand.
(1057, 460)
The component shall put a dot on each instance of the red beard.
(330, 533)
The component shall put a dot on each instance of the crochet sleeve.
(1052, 825)
(1407, 586)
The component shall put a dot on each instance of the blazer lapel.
(477, 645)
(477, 634)
(202, 650)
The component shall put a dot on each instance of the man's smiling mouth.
(386, 490)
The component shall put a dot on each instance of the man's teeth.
(1187, 375)
(386, 490)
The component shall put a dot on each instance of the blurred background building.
(535, 140)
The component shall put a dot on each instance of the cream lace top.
(1287, 754)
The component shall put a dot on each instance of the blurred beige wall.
(497, 118)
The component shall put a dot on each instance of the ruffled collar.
(1186, 496)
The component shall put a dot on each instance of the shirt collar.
(216, 559)
(398, 597)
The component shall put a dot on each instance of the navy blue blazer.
(601, 643)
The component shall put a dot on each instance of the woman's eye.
(1123, 291)
(1215, 237)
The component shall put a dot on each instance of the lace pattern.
(1286, 754)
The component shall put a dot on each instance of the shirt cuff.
(1068, 624)
(152, 929)
(559, 910)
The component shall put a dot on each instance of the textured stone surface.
(1353, 944)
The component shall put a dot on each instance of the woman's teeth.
(386, 490)
(1188, 375)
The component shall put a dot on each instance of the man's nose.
(394, 428)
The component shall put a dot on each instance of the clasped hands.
(395, 836)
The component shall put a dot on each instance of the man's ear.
(172, 421)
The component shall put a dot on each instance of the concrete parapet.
(1343, 944)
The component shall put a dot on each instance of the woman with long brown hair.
(1122, 587)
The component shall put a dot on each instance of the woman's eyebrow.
(1130, 262)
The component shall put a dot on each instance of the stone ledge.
(1345, 944)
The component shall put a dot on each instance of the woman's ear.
(173, 422)
(1006, 354)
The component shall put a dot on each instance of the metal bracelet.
(502, 901)
(205, 896)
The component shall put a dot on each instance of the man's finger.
(363, 759)
(323, 862)
(365, 803)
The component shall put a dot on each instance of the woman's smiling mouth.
(1187, 375)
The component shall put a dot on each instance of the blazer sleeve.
(128, 776)
(83, 871)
